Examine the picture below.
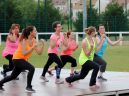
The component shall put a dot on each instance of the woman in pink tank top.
(10, 47)
(56, 40)
(67, 51)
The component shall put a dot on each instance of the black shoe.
(102, 78)
(29, 89)
(1, 88)
(16, 78)
(50, 73)
(3, 73)
(76, 72)
(24, 71)
(72, 74)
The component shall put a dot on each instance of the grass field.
(117, 58)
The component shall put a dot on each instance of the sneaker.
(44, 78)
(29, 89)
(69, 84)
(72, 74)
(50, 73)
(102, 78)
(16, 78)
(58, 81)
(1, 88)
(3, 73)
(76, 72)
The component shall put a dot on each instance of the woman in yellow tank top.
(27, 45)
(86, 59)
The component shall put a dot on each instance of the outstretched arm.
(112, 43)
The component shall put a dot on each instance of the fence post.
(37, 37)
(0, 38)
(77, 37)
(120, 36)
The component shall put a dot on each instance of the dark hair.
(98, 28)
(90, 30)
(26, 32)
(13, 27)
(68, 33)
(54, 24)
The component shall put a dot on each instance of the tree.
(92, 20)
(115, 18)
(49, 15)
(9, 14)
(25, 13)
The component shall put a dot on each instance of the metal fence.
(79, 36)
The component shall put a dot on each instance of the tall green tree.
(27, 13)
(92, 20)
(115, 18)
(49, 15)
(8, 14)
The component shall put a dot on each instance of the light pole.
(126, 7)
(84, 14)
(45, 14)
(70, 18)
(99, 7)
(68, 13)
(38, 13)
(90, 11)
(5, 15)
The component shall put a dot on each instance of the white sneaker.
(58, 81)
(44, 78)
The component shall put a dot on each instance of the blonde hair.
(90, 29)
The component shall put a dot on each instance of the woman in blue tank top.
(98, 58)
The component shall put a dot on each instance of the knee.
(13, 77)
(32, 69)
(105, 63)
(74, 64)
(97, 67)
(60, 65)
(46, 66)
(82, 77)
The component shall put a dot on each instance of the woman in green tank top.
(86, 59)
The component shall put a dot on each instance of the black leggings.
(101, 62)
(86, 67)
(7, 68)
(53, 58)
(70, 59)
(19, 65)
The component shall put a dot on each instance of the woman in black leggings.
(56, 40)
(11, 45)
(26, 46)
(86, 59)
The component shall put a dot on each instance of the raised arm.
(12, 37)
(100, 42)
(40, 47)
